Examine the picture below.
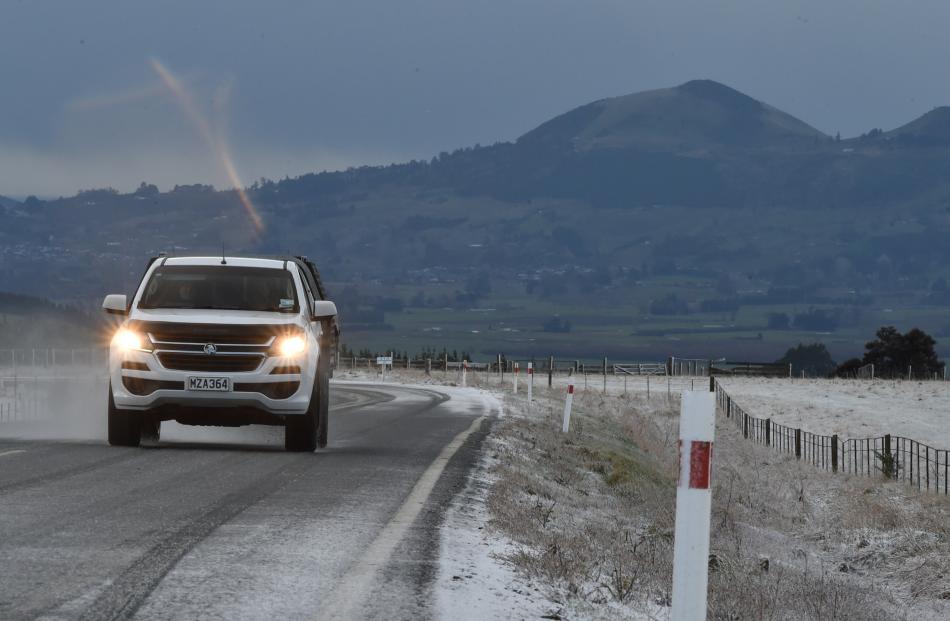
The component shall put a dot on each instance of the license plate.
(210, 384)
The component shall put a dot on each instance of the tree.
(893, 353)
(813, 359)
(849, 368)
(146, 190)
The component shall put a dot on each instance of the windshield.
(221, 287)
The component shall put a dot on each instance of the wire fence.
(888, 456)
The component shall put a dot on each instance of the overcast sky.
(298, 86)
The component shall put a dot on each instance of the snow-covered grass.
(587, 517)
(850, 408)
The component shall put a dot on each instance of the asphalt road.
(222, 524)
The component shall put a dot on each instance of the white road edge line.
(351, 590)
(12, 452)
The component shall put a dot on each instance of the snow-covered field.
(850, 408)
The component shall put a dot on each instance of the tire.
(303, 434)
(323, 403)
(300, 434)
(151, 431)
(125, 427)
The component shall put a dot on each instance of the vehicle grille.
(238, 348)
(188, 361)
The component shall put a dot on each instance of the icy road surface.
(223, 524)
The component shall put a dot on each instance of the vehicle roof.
(232, 261)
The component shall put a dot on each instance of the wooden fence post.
(887, 463)
(745, 425)
(798, 443)
(768, 432)
(712, 385)
(550, 371)
(834, 453)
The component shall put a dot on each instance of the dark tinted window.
(221, 287)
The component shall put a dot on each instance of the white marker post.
(567, 408)
(464, 373)
(515, 380)
(693, 506)
(530, 383)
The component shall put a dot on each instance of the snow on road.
(850, 408)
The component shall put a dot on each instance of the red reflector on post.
(700, 454)
(570, 389)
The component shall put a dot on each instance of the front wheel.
(323, 403)
(300, 434)
(151, 430)
(305, 433)
(125, 427)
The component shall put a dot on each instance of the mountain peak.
(716, 91)
(696, 115)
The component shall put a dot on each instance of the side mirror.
(323, 309)
(115, 304)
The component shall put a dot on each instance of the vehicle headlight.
(128, 340)
(290, 346)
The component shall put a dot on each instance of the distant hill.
(659, 212)
(930, 130)
(7, 203)
(699, 144)
(695, 116)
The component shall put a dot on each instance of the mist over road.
(222, 523)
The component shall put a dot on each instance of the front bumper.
(261, 390)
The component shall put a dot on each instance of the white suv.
(223, 341)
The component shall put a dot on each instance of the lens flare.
(291, 346)
(212, 139)
(126, 340)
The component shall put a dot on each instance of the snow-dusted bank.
(579, 525)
